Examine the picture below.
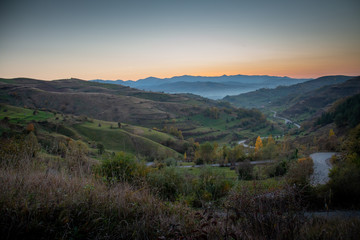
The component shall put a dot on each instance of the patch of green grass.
(186, 164)
(229, 174)
(218, 124)
(265, 185)
(22, 115)
(152, 134)
(116, 139)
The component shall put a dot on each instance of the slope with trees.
(269, 97)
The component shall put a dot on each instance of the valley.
(177, 155)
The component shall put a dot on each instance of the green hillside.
(49, 126)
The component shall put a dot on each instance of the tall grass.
(39, 205)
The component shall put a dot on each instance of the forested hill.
(266, 97)
(345, 113)
(314, 102)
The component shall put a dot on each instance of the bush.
(245, 170)
(121, 167)
(18, 150)
(270, 215)
(171, 162)
(168, 182)
(345, 184)
(210, 186)
(299, 172)
(279, 168)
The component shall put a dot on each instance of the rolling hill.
(278, 96)
(100, 101)
(196, 117)
(53, 129)
(316, 101)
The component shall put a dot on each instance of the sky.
(130, 40)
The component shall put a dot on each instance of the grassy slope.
(224, 128)
(22, 115)
(130, 138)
(120, 140)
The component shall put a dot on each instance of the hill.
(196, 117)
(270, 97)
(53, 129)
(313, 103)
(344, 113)
(210, 87)
(100, 101)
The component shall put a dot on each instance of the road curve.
(287, 121)
(321, 167)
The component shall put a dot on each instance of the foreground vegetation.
(73, 197)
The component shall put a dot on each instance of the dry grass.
(40, 205)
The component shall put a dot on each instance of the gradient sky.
(89, 39)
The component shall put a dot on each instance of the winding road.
(322, 167)
(287, 121)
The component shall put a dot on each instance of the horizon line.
(224, 75)
(163, 78)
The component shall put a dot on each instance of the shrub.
(245, 170)
(279, 168)
(171, 162)
(210, 186)
(18, 150)
(121, 167)
(345, 184)
(270, 215)
(168, 182)
(299, 172)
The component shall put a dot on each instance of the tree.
(30, 127)
(101, 148)
(269, 150)
(235, 154)
(180, 135)
(245, 171)
(258, 145)
(205, 152)
(332, 140)
(270, 140)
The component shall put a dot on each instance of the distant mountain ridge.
(211, 87)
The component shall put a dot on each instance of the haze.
(137, 39)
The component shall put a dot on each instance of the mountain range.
(209, 87)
